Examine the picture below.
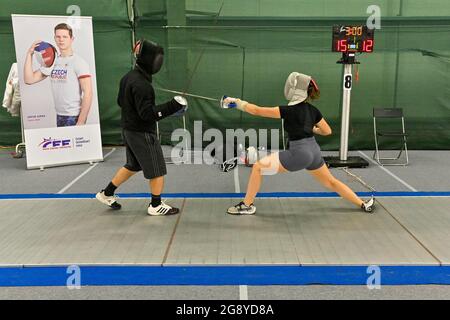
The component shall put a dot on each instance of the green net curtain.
(250, 48)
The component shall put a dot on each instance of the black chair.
(393, 116)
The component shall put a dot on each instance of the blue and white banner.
(69, 145)
(56, 63)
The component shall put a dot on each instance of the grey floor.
(305, 231)
(428, 171)
(430, 292)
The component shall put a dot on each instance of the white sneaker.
(369, 205)
(162, 210)
(110, 201)
(242, 209)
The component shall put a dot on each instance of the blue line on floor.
(223, 275)
(228, 195)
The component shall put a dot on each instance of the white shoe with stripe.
(162, 210)
(110, 201)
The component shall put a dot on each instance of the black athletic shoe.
(369, 205)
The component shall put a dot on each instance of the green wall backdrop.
(248, 49)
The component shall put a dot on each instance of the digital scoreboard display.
(352, 39)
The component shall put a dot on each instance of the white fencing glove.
(181, 100)
(229, 102)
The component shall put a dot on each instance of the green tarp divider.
(250, 48)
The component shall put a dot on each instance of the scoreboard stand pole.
(348, 59)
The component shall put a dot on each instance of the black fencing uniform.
(140, 113)
(143, 150)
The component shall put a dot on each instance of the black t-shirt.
(299, 120)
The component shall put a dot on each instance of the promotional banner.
(56, 63)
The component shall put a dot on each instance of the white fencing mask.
(296, 88)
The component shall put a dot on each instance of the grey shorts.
(144, 153)
(302, 154)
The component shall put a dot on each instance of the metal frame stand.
(282, 134)
(19, 153)
(348, 59)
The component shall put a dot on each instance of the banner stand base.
(90, 162)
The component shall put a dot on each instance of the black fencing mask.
(149, 56)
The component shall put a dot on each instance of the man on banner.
(69, 75)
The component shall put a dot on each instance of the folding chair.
(391, 115)
(169, 159)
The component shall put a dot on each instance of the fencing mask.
(296, 88)
(149, 56)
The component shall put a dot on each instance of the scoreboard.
(348, 39)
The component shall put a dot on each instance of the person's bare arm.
(29, 76)
(322, 128)
(86, 101)
(266, 112)
(253, 109)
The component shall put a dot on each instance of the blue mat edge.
(223, 275)
(228, 195)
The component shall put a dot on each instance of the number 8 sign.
(348, 81)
